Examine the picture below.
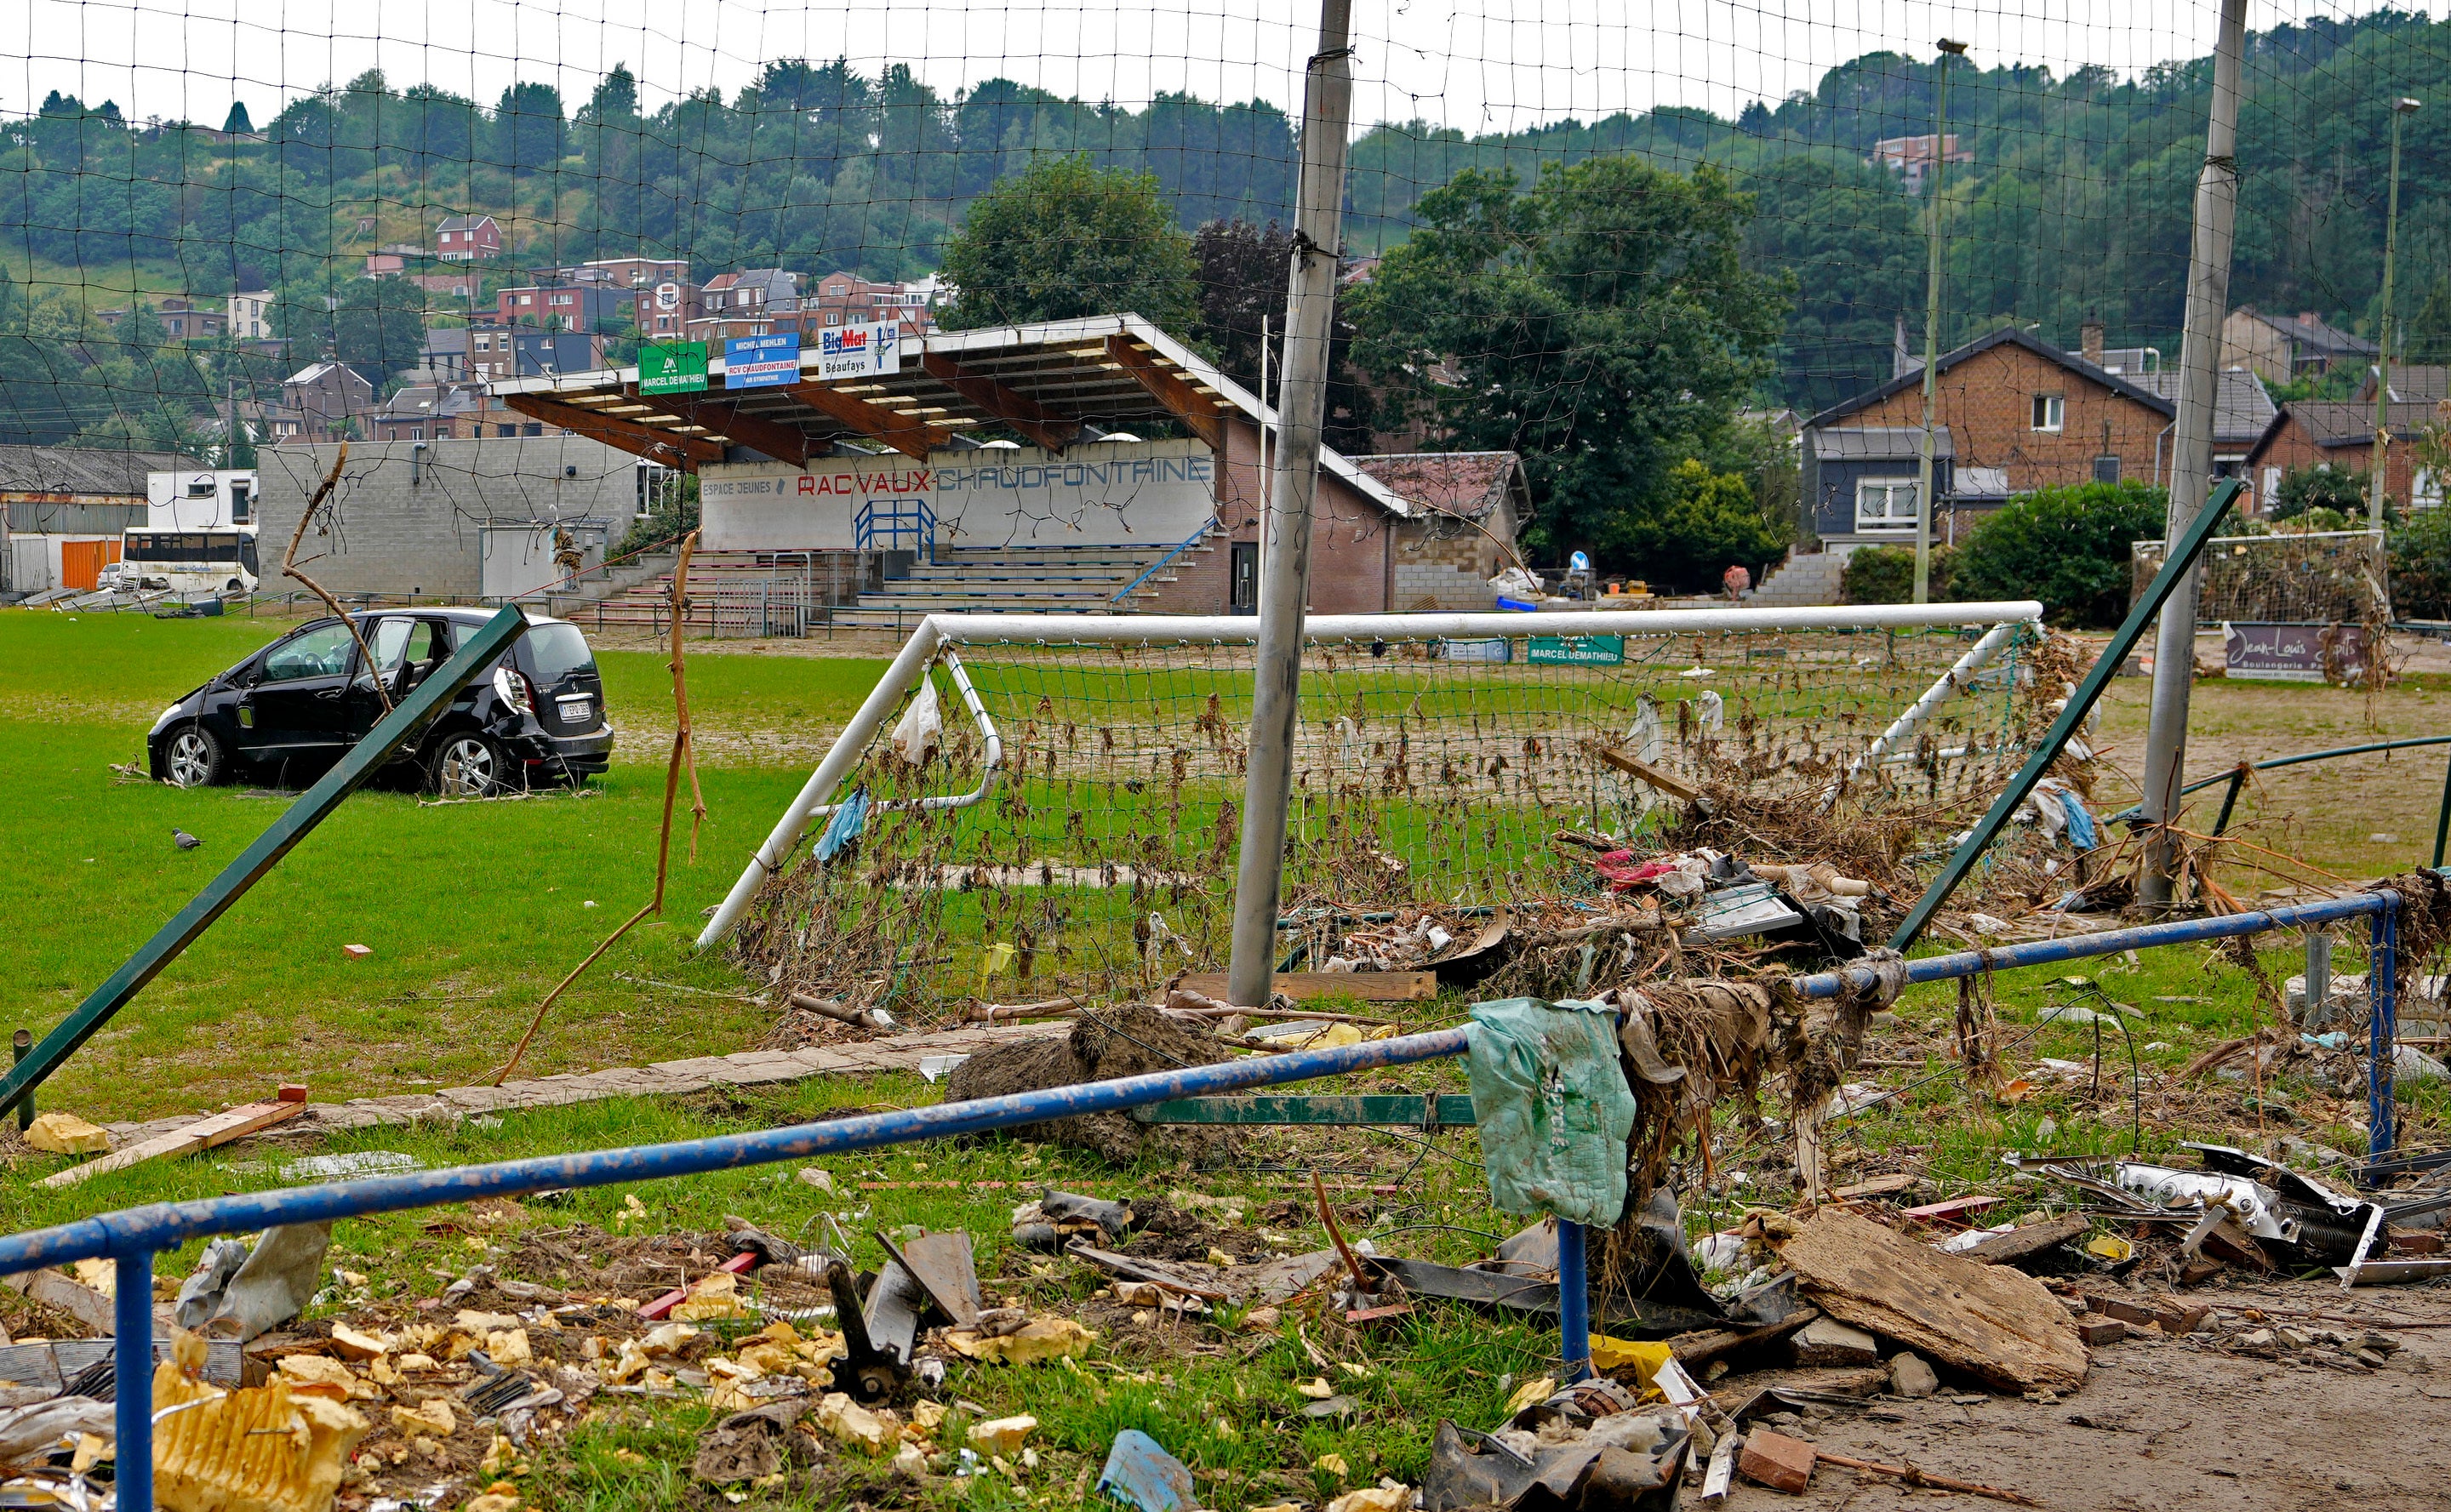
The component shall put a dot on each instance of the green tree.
(1065, 239)
(2305, 488)
(237, 122)
(1602, 324)
(1703, 524)
(2070, 547)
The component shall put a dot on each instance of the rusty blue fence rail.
(133, 1236)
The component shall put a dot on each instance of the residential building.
(761, 291)
(443, 359)
(248, 315)
(2011, 414)
(432, 412)
(187, 319)
(846, 298)
(663, 312)
(570, 306)
(1448, 550)
(64, 508)
(382, 264)
(2411, 382)
(2282, 347)
(627, 272)
(468, 239)
(319, 402)
(2339, 437)
(2242, 409)
(460, 288)
(1913, 156)
(502, 351)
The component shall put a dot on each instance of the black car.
(294, 708)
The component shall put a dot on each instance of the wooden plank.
(904, 433)
(1878, 1186)
(1304, 987)
(620, 432)
(1953, 1211)
(1045, 428)
(203, 1134)
(1448, 1111)
(1668, 782)
(725, 418)
(2018, 1245)
(1990, 1322)
(1167, 388)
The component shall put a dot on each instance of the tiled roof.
(84, 469)
(1469, 483)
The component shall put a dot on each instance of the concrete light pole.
(1931, 325)
(2401, 110)
(2191, 459)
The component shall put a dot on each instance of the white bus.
(183, 561)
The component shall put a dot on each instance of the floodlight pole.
(2400, 112)
(1931, 327)
(2191, 460)
(1293, 482)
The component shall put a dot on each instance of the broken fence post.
(2382, 995)
(1574, 1304)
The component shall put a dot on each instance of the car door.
(396, 642)
(298, 703)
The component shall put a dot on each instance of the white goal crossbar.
(938, 634)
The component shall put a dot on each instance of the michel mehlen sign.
(762, 362)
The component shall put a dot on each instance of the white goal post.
(939, 638)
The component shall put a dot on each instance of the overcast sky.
(1478, 65)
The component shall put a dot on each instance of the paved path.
(755, 1068)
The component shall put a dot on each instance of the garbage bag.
(921, 733)
(1555, 1110)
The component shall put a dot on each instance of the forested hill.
(2077, 200)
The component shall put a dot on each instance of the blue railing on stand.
(132, 1237)
(1160, 565)
(896, 525)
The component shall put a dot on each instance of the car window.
(424, 645)
(389, 640)
(319, 653)
(556, 651)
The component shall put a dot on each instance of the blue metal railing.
(1160, 565)
(883, 526)
(132, 1237)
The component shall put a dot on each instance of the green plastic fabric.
(1555, 1110)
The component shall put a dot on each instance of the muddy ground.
(2182, 1425)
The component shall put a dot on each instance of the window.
(2051, 412)
(534, 428)
(389, 640)
(834, 317)
(1885, 505)
(2424, 490)
(506, 430)
(2106, 468)
(241, 503)
(323, 652)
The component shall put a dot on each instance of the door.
(298, 703)
(81, 563)
(1243, 573)
(406, 650)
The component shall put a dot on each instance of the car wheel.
(193, 758)
(232, 586)
(468, 765)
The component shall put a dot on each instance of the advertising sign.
(2293, 653)
(1576, 651)
(867, 350)
(673, 367)
(761, 362)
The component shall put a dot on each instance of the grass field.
(474, 910)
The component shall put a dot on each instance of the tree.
(2070, 547)
(2305, 488)
(1703, 524)
(1065, 239)
(1602, 324)
(1244, 273)
(380, 323)
(237, 122)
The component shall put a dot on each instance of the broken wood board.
(943, 1265)
(204, 1133)
(62, 1294)
(1695, 1350)
(2018, 1245)
(1877, 1186)
(1269, 1281)
(1304, 987)
(1667, 783)
(1992, 1323)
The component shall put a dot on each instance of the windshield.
(556, 651)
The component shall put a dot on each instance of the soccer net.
(1037, 806)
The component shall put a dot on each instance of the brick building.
(2011, 414)
(2341, 436)
(468, 239)
(567, 307)
(846, 298)
(1911, 157)
(1469, 503)
(2282, 347)
(664, 311)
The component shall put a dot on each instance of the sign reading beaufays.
(676, 367)
(1151, 493)
(869, 350)
(761, 362)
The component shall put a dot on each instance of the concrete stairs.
(724, 586)
(610, 582)
(1021, 580)
(1804, 579)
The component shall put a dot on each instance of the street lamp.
(1931, 325)
(2401, 110)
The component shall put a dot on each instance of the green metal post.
(2181, 561)
(20, 1043)
(315, 805)
(2230, 799)
(2442, 819)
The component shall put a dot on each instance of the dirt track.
(2180, 1425)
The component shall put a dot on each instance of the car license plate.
(574, 710)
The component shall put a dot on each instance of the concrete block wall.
(412, 519)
